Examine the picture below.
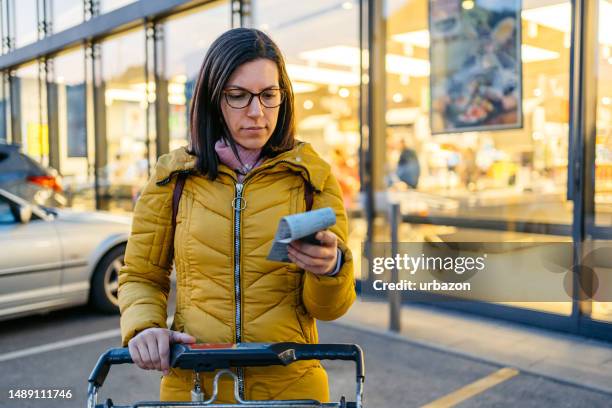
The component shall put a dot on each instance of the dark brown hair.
(232, 49)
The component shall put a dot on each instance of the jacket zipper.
(237, 204)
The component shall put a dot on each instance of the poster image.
(476, 70)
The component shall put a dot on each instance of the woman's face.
(251, 126)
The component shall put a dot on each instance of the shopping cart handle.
(210, 357)
(111, 357)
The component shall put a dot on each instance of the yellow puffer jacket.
(227, 291)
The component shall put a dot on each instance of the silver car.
(51, 259)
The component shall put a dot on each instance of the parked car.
(52, 258)
(24, 177)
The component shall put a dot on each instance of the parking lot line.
(90, 338)
(60, 344)
(473, 389)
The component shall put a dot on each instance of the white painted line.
(58, 345)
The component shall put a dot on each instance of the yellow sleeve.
(144, 280)
(329, 297)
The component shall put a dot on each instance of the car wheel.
(105, 281)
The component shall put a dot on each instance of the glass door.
(597, 248)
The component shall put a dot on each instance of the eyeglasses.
(239, 98)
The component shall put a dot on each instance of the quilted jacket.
(227, 291)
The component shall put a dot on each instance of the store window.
(320, 42)
(25, 18)
(67, 90)
(602, 309)
(126, 149)
(603, 150)
(516, 174)
(31, 111)
(472, 172)
(182, 60)
(66, 14)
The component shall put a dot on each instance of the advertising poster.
(475, 56)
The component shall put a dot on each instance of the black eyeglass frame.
(252, 95)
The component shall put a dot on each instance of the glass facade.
(320, 42)
(25, 15)
(602, 266)
(5, 124)
(29, 110)
(500, 175)
(110, 5)
(67, 94)
(65, 14)
(123, 159)
(101, 111)
(180, 62)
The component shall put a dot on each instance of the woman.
(245, 172)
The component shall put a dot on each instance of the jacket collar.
(302, 158)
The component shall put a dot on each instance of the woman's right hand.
(150, 349)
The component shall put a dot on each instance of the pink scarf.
(250, 158)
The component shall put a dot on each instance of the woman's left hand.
(318, 259)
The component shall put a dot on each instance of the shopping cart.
(210, 357)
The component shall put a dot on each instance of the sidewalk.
(563, 357)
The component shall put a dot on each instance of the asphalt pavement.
(58, 351)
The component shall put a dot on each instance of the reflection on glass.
(182, 60)
(26, 24)
(66, 13)
(34, 132)
(109, 5)
(518, 174)
(126, 170)
(601, 308)
(603, 146)
(320, 42)
(507, 175)
(4, 108)
(67, 89)
(597, 280)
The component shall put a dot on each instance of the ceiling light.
(308, 104)
(322, 75)
(467, 4)
(343, 55)
(559, 17)
(398, 97)
(344, 93)
(418, 38)
(532, 29)
(302, 87)
(347, 5)
(529, 53)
